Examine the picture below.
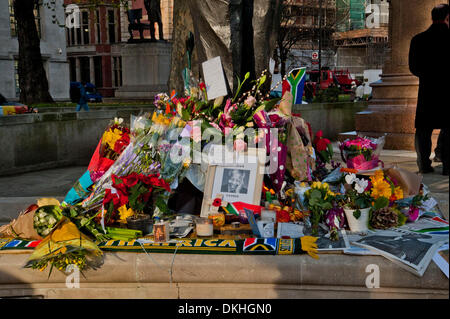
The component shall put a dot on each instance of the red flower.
(322, 144)
(120, 145)
(155, 181)
(131, 180)
(217, 202)
(283, 216)
(109, 196)
(202, 86)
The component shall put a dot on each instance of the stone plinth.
(145, 69)
(392, 109)
(136, 275)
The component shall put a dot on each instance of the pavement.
(19, 191)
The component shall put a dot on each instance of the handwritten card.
(214, 78)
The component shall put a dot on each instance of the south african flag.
(294, 83)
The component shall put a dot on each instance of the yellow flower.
(187, 163)
(398, 192)
(111, 137)
(125, 213)
(381, 189)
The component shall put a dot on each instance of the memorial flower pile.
(134, 172)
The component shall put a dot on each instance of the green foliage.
(380, 202)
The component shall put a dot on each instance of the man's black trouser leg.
(445, 149)
(423, 148)
(438, 149)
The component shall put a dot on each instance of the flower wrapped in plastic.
(362, 153)
(63, 247)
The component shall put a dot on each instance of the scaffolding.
(362, 47)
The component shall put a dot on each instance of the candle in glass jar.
(204, 227)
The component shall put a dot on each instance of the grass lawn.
(92, 105)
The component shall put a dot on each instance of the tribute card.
(215, 82)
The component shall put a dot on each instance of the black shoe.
(426, 170)
(437, 159)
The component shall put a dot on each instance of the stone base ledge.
(214, 291)
(136, 275)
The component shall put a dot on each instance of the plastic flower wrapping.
(362, 152)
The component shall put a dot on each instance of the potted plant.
(356, 202)
(132, 196)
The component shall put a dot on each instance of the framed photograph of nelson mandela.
(239, 181)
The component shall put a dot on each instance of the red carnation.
(217, 202)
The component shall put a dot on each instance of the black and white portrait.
(235, 181)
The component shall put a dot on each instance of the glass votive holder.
(204, 227)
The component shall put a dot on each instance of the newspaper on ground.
(324, 242)
(410, 250)
(356, 250)
(441, 259)
(427, 225)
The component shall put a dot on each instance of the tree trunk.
(182, 25)
(32, 77)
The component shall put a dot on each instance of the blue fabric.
(80, 190)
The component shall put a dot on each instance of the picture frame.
(238, 181)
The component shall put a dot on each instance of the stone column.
(91, 70)
(77, 69)
(392, 109)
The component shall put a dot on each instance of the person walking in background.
(82, 103)
(429, 61)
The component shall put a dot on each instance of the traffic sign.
(315, 55)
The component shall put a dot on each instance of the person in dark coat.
(429, 60)
(83, 97)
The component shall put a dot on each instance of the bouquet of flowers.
(385, 213)
(113, 142)
(362, 153)
(356, 193)
(63, 247)
(130, 195)
(319, 199)
(45, 219)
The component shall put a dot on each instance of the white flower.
(350, 178)
(361, 185)
(52, 220)
(118, 120)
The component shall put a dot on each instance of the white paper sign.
(289, 229)
(214, 78)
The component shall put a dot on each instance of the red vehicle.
(341, 78)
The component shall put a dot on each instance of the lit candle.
(204, 227)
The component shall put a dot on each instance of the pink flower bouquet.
(362, 153)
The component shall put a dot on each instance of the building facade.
(94, 49)
(53, 50)
(362, 37)
(311, 23)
